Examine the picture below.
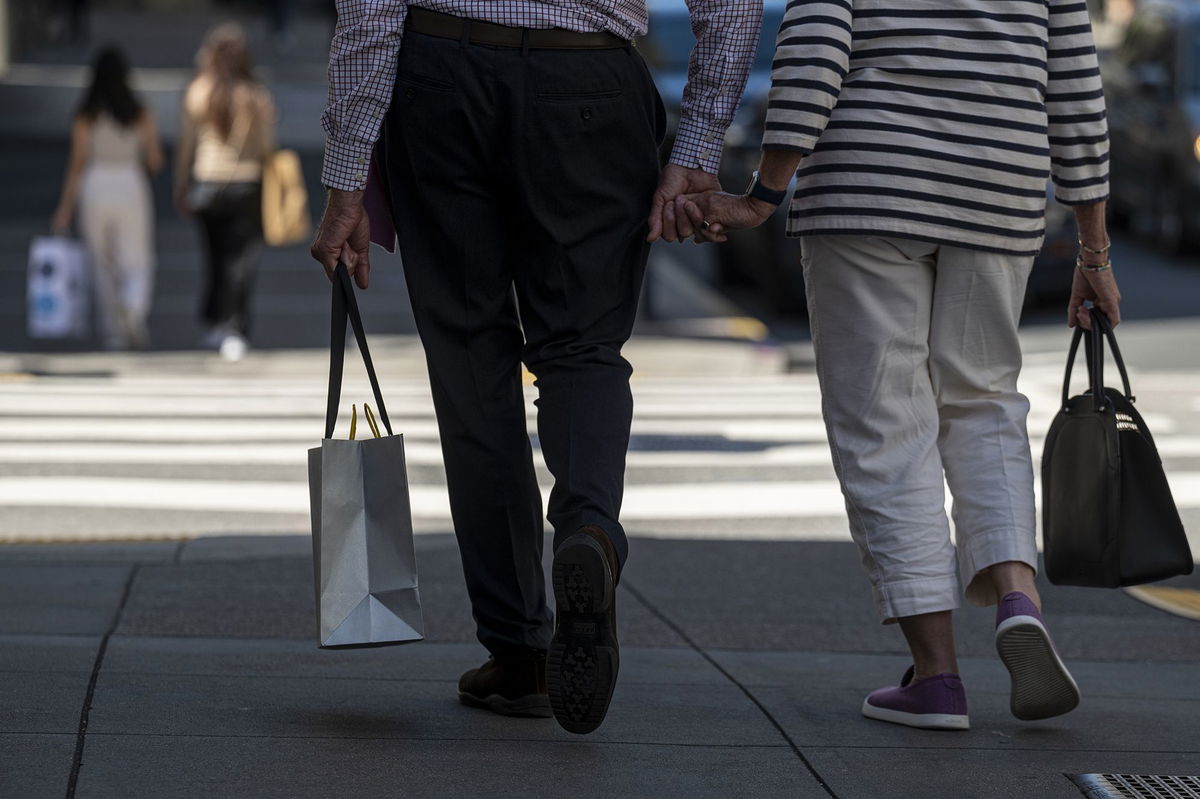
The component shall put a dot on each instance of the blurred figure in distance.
(114, 143)
(227, 132)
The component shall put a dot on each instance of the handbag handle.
(1101, 330)
(1100, 321)
(345, 307)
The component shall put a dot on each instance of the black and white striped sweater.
(938, 119)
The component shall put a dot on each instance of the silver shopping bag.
(364, 563)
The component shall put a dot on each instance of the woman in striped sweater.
(924, 132)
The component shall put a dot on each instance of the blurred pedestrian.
(923, 154)
(114, 144)
(227, 132)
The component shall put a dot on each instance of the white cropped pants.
(918, 357)
(116, 219)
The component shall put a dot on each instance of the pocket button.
(410, 93)
(586, 112)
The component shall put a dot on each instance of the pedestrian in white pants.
(114, 145)
(116, 218)
(923, 155)
(918, 357)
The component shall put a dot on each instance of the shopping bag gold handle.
(371, 420)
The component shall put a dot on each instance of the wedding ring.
(705, 225)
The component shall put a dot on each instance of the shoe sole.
(924, 721)
(583, 660)
(536, 706)
(1041, 685)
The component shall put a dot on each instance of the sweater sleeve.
(1075, 107)
(812, 57)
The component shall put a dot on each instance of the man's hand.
(723, 212)
(344, 235)
(664, 219)
(1101, 289)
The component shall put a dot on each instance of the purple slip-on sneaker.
(1041, 685)
(934, 703)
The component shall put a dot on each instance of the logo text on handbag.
(1126, 422)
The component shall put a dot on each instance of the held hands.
(344, 235)
(722, 212)
(689, 202)
(667, 220)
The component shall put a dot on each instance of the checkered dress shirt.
(362, 67)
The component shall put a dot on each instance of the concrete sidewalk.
(190, 670)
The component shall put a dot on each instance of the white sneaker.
(233, 348)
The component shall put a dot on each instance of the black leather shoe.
(511, 685)
(581, 669)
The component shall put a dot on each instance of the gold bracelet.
(1089, 250)
(1086, 267)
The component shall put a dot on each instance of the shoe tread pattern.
(1041, 686)
(581, 667)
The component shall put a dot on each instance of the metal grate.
(1137, 786)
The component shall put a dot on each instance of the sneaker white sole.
(1041, 685)
(924, 721)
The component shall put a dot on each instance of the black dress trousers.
(520, 182)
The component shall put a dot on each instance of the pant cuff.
(914, 597)
(614, 531)
(984, 551)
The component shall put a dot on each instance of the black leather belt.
(447, 26)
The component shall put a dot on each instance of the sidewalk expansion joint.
(687, 639)
(429, 738)
(77, 759)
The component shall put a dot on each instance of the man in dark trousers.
(516, 144)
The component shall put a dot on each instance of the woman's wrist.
(1094, 251)
(760, 208)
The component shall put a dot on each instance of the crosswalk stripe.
(428, 452)
(153, 406)
(55, 428)
(814, 498)
(738, 436)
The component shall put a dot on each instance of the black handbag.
(1108, 516)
